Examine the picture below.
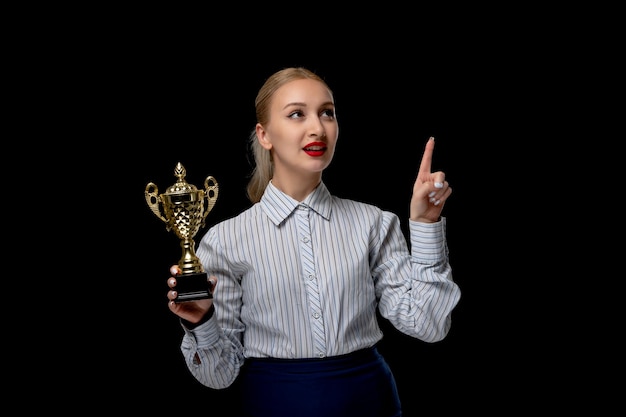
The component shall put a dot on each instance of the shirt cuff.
(428, 240)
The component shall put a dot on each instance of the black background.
(101, 101)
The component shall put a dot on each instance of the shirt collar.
(278, 205)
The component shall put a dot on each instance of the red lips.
(315, 148)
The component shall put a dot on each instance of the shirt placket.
(310, 278)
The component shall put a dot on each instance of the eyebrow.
(299, 104)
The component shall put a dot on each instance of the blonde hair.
(263, 169)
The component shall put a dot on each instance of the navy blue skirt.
(357, 384)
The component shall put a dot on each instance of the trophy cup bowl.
(184, 208)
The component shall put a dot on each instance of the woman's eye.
(296, 115)
(328, 113)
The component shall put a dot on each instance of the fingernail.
(432, 193)
(438, 185)
(437, 202)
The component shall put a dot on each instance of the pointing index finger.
(427, 158)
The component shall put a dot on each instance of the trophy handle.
(212, 190)
(153, 200)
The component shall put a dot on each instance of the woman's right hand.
(192, 311)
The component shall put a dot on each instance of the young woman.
(298, 277)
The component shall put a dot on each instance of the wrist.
(207, 316)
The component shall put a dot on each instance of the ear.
(261, 135)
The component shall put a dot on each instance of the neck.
(296, 187)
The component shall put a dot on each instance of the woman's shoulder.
(358, 207)
(343, 201)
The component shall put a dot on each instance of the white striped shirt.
(303, 280)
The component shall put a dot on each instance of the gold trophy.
(184, 208)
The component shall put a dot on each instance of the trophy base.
(192, 287)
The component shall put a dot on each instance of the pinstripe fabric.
(281, 263)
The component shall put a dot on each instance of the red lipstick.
(315, 148)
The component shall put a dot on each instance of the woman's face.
(302, 130)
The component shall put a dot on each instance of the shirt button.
(316, 315)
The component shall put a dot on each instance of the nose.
(318, 129)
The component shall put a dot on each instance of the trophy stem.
(189, 263)
(193, 283)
